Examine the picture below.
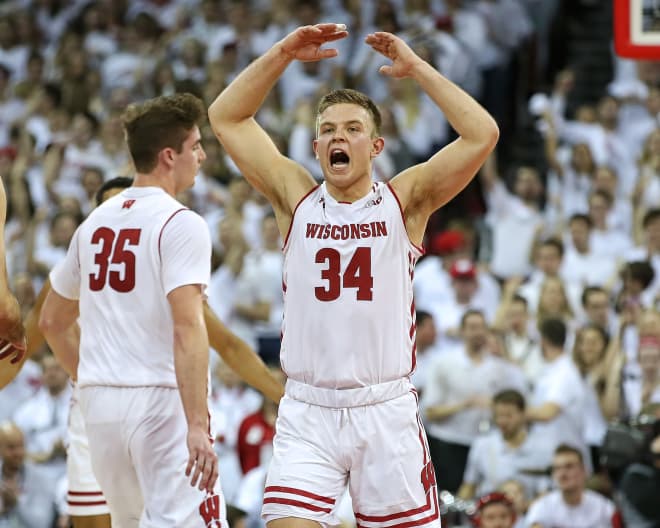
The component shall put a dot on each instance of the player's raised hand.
(202, 460)
(304, 43)
(394, 48)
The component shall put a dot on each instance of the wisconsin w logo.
(209, 509)
(428, 477)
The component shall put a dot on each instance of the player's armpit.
(241, 358)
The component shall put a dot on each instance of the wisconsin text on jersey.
(346, 231)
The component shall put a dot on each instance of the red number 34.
(112, 252)
(357, 274)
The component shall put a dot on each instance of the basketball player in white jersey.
(349, 414)
(86, 504)
(12, 339)
(135, 274)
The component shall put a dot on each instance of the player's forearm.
(191, 365)
(245, 94)
(35, 338)
(65, 346)
(241, 358)
(468, 118)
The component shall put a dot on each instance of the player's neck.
(155, 179)
(359, 189)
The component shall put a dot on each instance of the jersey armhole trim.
(160, 235)
(293, 216)
(403, 219)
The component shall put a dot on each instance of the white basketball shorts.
(369, 438)
(137, 440)
(84, 496)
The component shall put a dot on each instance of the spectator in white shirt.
(455, 406)
(515, 218)
(464, 295)
(519, 332)
(598, 310)
(582, 265)
(600, 363)
(650, 248)
(558, 401)
(44, 418)
(548, 257)
(507, 452)
(605, 240)
(571, 505)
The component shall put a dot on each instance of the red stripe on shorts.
(296, 491)
(299, 504)
(84, 493)
(406, 524)
(80, 503)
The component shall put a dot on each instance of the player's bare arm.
(191, 364)
(232, 116)
(241, 358)
(12, 339)
(425, 187)
(57, 323)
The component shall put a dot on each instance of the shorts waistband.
(343, 398)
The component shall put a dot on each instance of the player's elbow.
(490, 133)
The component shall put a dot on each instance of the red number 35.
(112, 252)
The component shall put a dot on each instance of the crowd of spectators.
(538, 322)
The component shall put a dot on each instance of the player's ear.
(167, 156)
(377, 146)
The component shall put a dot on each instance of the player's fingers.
(191, 462)
(199, 469)
(5, 349)
(331, 27)
(327, 53)
(214, 476)
(18, 355)
(385, 70)
(335, 36)
(206, 473)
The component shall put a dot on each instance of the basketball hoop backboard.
(637, 28)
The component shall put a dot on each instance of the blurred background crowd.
(541, 280)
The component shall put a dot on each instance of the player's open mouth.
(338, 159)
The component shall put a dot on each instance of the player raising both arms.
(350, 412)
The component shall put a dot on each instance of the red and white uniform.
(348, 293)
(123, 261)
(84, 495)
(348, 347)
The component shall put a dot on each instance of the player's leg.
(109, 421)
(86, 504)
(392, 479)
(91, 521)
(160, 452)
(292, 522)
(307, 474)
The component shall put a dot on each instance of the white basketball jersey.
(123, 261)
(349, 316)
